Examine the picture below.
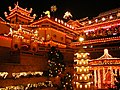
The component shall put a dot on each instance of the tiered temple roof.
(24, 13)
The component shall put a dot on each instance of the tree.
(66, 82)
(55, 62)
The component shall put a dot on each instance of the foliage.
(55, 62)
(66, 82)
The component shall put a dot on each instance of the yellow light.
(103, 19)
(111, 17)
(81, 39)
(77, 85)
(85, 77)
(56, 19)
(74, 74)
(80, 70)
(80, 78)
(84, 55)
(84, 62)
(84, 69)
(89, 22)
(77, 77)
(80, 63)
(85, 86)
(80, 86)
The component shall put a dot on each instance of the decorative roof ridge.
(106, 55)
(22, 14)
(98, 40)
(55, 21)
(109, 12)
(18, 7)
(2, 19)
(97, 24)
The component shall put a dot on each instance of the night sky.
(78, 8)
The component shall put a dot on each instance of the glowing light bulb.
(80, 70)
(80, 63)
(80, 86)
(85, 78)
(85, 86)
(96, 20)
(80, 78)
(103, 19)
(81, 39)
(89, 22)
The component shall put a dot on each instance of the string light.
(3, 74)
(18, 75)
(29, 86)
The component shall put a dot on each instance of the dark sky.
(78, 8)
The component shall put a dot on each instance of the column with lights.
(81, 74)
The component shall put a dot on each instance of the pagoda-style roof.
(105, 60)
(106, 55)
(56, 22)
(110, 12)
(75, 23)
(17, 10)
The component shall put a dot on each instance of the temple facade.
(24, 42)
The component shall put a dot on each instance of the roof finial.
(17, 3)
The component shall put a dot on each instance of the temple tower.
(19, 15)
(81, 74)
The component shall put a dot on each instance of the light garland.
(24, 74)
(96, 41)
(3, 74)
(28, 86)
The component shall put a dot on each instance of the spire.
(17, 3)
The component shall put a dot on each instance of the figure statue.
(47, 13)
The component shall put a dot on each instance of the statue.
(47, 13)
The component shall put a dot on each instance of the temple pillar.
(103, 74)
(95, 78)
(112, 77)
(99, 79)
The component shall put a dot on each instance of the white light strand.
(28, 86)
(3, 74)
(18, 75)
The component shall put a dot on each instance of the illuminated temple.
(24, 42)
